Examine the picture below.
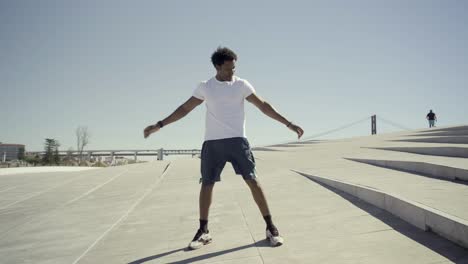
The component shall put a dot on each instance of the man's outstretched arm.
(180, 112)
(270, 111)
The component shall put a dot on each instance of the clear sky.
(118, 66)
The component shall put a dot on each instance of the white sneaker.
(201, 238)
(275, 239)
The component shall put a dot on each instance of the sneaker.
(275, 239)
(201, 238)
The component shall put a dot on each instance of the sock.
(204, 225)
(269, 223)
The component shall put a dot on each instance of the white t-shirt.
(225, 116)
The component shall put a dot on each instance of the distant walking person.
(225, 139)
(432, 118)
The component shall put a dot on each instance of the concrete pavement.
(147, 213)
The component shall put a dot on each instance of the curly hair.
(221, 55)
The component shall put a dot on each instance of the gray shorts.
(215, 154)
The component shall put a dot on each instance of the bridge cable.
(393, 123)
(323, 133)
(336, 129)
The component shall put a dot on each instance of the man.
(225, 138)
(432, 118)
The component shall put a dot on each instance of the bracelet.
(160, 124)
(288, 125)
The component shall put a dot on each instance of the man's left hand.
(297, 129)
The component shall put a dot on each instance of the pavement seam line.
(8, 189)
(63, 205)
(376, 231)
(95, 188)
(250, 232)
(148, 191)
(41, 192)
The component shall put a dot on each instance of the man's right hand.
(297, 129)
(150, 130)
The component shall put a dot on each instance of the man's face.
(227, 69)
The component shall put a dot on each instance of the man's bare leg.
(206, 194)
(258, 196)
(272, 233)
(202, 237)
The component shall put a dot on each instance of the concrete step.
(458, 152)
(285, 146)
(443, 133)
(263, 149)
(307, 142)
(422, 168)
(456, 128)
(421, 216)
(445, 139)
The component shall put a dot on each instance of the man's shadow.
(261, 243)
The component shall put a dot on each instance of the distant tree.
(51, 152)
(82, 139)
(48, 148)
(56, 154)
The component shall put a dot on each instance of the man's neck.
(221, 79)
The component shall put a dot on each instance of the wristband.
(288, 125)
(160, 124)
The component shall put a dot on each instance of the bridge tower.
(374, 124)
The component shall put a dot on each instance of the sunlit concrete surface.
(29, 170)
(148, 213)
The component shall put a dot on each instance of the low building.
(11, 152)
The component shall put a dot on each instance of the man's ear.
(218, 67)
